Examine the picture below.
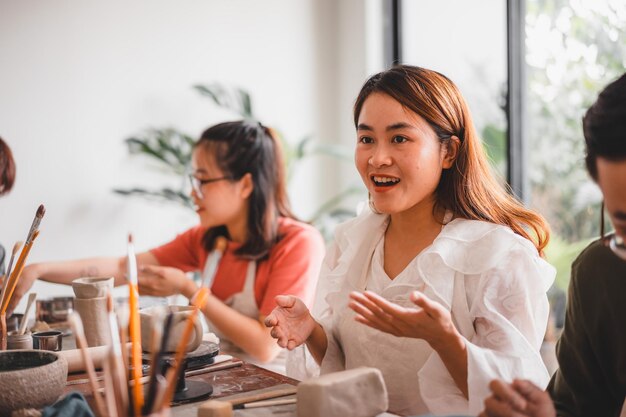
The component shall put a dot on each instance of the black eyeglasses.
(612, 240)
(197, 183)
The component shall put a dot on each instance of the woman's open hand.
(428, 320)
(291, 322)
(162, 281)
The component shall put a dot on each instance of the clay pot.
(30, 379)
(93, 313)
(179, 321)
(92, 287)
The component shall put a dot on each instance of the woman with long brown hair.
(443, 274)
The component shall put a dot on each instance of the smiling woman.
(443, 274)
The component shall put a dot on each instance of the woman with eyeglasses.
(238, 188)
(440, 284)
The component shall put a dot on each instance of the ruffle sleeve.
(505, 284)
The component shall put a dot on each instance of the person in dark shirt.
(591, 379)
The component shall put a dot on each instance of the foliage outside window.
(573, 49)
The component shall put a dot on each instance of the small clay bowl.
(30, 379)
(92, 287)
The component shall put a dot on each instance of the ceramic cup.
(48, 340)
(19, 341)
(179, 321)
(93, 313)
(92, 287)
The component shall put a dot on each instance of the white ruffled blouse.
(503, 316)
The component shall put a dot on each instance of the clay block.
(359, 392)
(214, 408)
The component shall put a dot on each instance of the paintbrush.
(198, 301)
(21, 261)
(16, 248)
(31, 298)
(116, 362)
(77, 327)
(17, 272)
(3, 317)
(213, 260)
(134, 327)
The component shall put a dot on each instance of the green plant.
(171, 150)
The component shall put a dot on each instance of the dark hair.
(604, 126)
(243, 147)
(468, 188)
(7, 168)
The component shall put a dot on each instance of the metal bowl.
(30, 379)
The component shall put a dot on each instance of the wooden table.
(226, 382)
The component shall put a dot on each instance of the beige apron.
(244, 302)
(398, 358)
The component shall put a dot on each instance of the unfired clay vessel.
(30, 379)
(91, 287)
(179, 321)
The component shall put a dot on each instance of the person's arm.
(64, 272)
(291, 324)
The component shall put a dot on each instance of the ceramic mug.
(179, 321)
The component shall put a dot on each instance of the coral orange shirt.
(292, 267)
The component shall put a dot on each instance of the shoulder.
(473, 246)
(295, 234)
(597, 266)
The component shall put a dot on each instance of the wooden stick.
(17, 272)
(77, 327)
(3, 331)
(16, 247)
(213, 262)
(134, 327)
(268, 403)
(118, 368)
(31, 298)
(9, 286)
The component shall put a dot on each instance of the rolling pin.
(224, 406)
(75, 360)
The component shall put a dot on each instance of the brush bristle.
(17, 247)
(130, 238)
(40, 211)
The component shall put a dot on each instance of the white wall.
(77, 77)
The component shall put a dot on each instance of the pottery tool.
(16, 248)
(268, 403)
(156, 364)
(21, 261)
(77, 327)
(199, 300)
(110, 398)
(213, 261)
(224, 406)
(31, 297)
(115, 360)
(134, 326)
(123, 314)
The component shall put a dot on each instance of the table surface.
(244, 378)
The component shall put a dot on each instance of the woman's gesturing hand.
(291, 322)
(162, 281)
(428, 320)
